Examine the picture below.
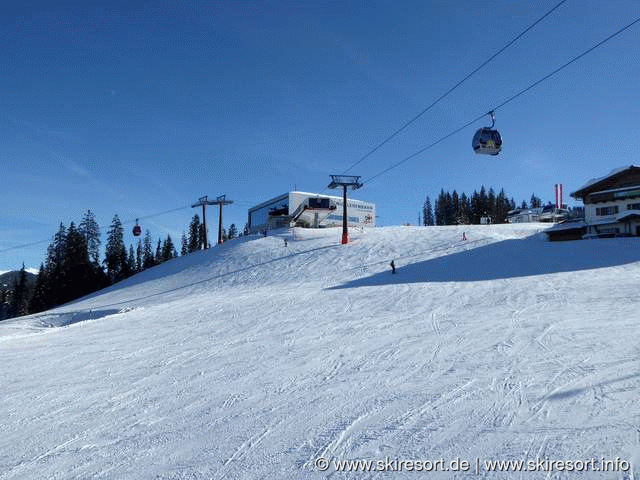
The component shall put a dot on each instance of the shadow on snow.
(509, 259)
(564, 394)
(69, 318)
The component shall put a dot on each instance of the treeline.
(460, 209)
(196, 238)
(72, 267)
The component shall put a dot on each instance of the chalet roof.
(595, 183)
(564, 226)
(525, 211)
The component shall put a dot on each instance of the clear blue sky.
(139, 108)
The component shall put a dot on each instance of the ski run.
(256, 360)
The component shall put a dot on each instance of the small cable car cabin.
(487, 140)
(137, 230)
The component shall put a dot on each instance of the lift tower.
(221, 200)
(345, 181)
(204, 201)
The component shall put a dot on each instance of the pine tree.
(491, 205)
(455, 207)
(158, 257)
(90, 229)
(233, 231)
(185, 245)
(54, 267)
(195, 234)
(60, 244)
(204, 243)
(148, 259)
(483, 201)
(125, 271)
(167, 249)
(68, 271)
(139, 256)
(441, 208)
(38, 300)
(427, 213)
(463, 215)
(115, 253)
(501, 208)
(449, 212)
(131, 261)
(19, 305)
(76, 265)
(535, 202)
(4, 301)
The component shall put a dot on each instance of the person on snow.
(393, 266)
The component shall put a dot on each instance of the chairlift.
(136, 229)
(487, 140)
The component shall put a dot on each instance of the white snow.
(35, 271)
(251, 360)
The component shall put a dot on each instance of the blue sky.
(140, 108)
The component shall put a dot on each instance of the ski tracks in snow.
(244, 449)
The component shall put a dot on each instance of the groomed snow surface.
(252, 360)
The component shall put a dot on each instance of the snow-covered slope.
(253, 360)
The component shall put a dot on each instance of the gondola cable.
(40, 242)
(509, 100)
(444, 95)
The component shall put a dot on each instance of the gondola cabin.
(137, 230)
(487, 141)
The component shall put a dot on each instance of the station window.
(603, 211)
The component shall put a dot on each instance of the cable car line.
(32, 244)
(510, 99)
(435, 102)
(568, 63)
(154, 215)
(422, 150)
(24, 245)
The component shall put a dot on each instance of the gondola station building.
(309, 210)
